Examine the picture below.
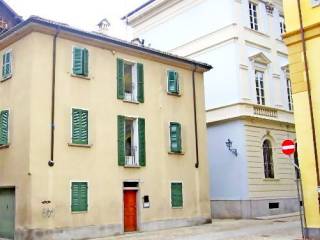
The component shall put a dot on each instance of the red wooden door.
(130, 210)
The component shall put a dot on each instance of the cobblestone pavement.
(276, 229)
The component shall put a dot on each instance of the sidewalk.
(284, 228)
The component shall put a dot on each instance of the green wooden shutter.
(79, 126)
(6, 64)
(121, 144)
(140, 78)
(4, 127)
(77, 61)
(85, 61)
(79, 196)
(175, 137)
(120, 80)
(176, 195)
(173, 85)
(3, 65)
(84, 127)
(142, 142)
(179, 137)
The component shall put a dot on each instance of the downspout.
(309, 96)
(53, 96)
(195, 115)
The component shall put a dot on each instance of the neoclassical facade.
(248, 95)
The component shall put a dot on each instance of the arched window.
(267, 159)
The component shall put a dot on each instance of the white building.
(248, 94)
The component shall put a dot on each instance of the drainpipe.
(54, 53)
(195, 115)
(309, 96)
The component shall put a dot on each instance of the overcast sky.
(84, 14)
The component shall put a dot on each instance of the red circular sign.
(288, 147)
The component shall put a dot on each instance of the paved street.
(276, 229)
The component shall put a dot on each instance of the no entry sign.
(288, 147)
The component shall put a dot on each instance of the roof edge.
(103, 38)
(137, 9)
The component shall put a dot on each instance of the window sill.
(79, 212)
(174, 94)
(257, 32)
(177, 207)
(131, 101)
(80, 145)
(131, 166)
(280, 40)
(271, 179)
(5, 146)
(176, 153)
(80, 76)
(6, 78)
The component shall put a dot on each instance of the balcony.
(265, 111)
(249, 110)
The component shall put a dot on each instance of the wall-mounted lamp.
(229, 146)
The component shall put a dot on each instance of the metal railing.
(132, 161)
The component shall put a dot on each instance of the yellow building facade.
(98, 136)
(303, 41)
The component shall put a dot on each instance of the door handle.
(7, 206)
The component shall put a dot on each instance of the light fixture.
(229, 146)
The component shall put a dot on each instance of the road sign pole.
(300, 197)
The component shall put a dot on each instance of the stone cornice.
(244, 110)
(294, 37)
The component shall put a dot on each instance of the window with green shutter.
(175, 137)
(80, 61)
(131, 142)
(130, 81)
(79, 196)
(176, 195)
(79, 126)
(6, 65)
(173, 82)
(4, 127)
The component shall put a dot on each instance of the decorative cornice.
(269, 8)
(242, 110)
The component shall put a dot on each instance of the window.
(79, 196)
(253, 14)
(131, 142)
(175, 137)
(173, 82)
(260, 87)
(79, 126)
(267, 159)
(6, 65)
(130, 81)
(176, 195)
(80, 61)
(4, 127)
(289, 94)
(282, 25)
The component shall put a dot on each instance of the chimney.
(104, 26)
